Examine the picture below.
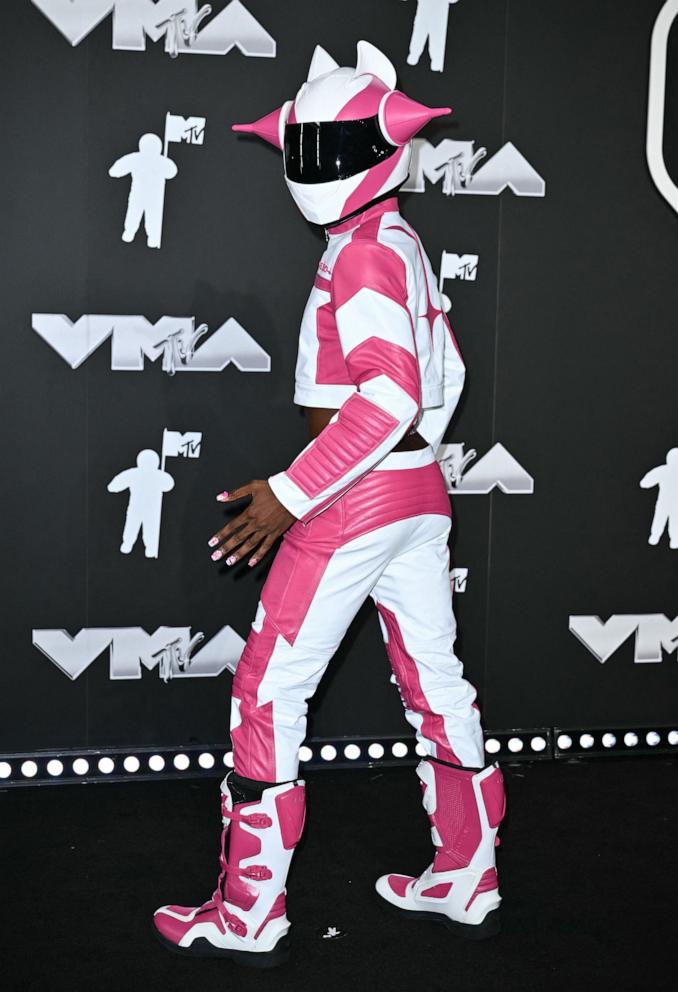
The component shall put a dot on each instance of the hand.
(255, 528)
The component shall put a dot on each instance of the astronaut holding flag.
(147, 483)
(150, 167)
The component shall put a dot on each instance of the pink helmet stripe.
(375, 180)
(364, 104)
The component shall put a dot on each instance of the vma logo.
(455, 162)
(653, 634)
(134, 339)
(496, 469)
(170, 650)
(179, 22)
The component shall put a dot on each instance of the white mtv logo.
(134, 339)
(459, 579)
(169, 649)
(455, 163)
(497, 468)
(453, 266)
(654, 634)
(177, 21)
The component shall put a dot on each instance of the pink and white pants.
(386, 537)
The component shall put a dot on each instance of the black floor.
(587, 869)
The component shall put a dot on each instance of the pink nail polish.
(222, 496)
(252, 561)
(217, 555)
(229, 561)
(212, 541)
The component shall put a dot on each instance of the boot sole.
(201, 948)
(490, 926)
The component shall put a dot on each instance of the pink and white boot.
(459, 889)
(246, 917)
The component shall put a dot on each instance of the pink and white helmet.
(347, 136)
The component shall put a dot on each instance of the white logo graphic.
(455, 162)
(134, 339)
(665, 477)
(147, 484)
(656, 100)
(497, 468)
(455, 267)
(654, 633)
(458, 579)
(150, 168)
(169, 649)
(175, 20)
(430, 25)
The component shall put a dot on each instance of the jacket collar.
(388, 205)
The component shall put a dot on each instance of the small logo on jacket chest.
(323, 268)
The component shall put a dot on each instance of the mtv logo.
(458, 578)
(453, 266)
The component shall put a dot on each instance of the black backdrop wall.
(564, 311)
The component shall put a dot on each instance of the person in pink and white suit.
(364, 511)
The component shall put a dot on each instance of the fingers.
(229, 495)
(244, 533)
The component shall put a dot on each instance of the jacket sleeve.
(435, 419)
(369, 297)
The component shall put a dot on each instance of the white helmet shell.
(334, 93)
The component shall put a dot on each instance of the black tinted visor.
(320, 151)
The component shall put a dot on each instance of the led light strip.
(599, 742)
(127, 764)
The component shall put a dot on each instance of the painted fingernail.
(212, 541)
(252, 561)
(217, 555)
(222, 496)
(229, 561)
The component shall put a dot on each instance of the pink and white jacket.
(375, 344)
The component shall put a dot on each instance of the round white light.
(131, 763)
(328, 752)
(228, 759)
(653, 738)
(29, 769)
(81, 766)
(609, 740)
(5, 769)
(305, 753)
(399, 750)
(586, 741)
(55, 767)
(351, 751)
(564, 741)
(492, 745)
(376, 750)
(206, 760)
(538, 744)
(515, 744)
(181, 762)
(106, 765)
(420, 750)
(630, 739)
(156, 762)
(673, 737)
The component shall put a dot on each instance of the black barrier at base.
(201, 761)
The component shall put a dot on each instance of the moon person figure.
(364, 511)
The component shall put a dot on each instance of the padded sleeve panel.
(369, 295)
